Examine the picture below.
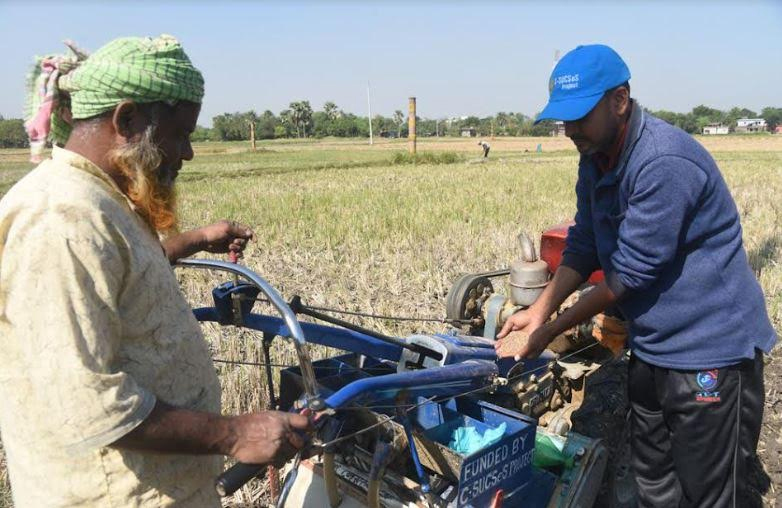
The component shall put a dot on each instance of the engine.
(552, 391)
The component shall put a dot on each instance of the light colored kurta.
(93, 329)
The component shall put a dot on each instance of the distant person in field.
(654, 213)
(486, 147)
(108, 394)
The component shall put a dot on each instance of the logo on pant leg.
(707, 380)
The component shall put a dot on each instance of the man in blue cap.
(654, 213)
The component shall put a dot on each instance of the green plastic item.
(549, 452)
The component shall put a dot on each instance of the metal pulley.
(467, 296)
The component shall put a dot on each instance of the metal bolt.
(316, 404)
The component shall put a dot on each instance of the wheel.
(467, 296)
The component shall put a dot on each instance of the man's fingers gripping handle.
(240, 473)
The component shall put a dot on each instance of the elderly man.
(108, 396)
(654, 212)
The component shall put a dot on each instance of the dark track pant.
(694, 433)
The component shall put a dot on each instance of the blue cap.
(579, 81)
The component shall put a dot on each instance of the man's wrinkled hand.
(225, 236)
(268, 437)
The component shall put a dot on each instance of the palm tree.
(399, 119)
(306, 116)
(286, 118)
(502, 121)
(296, 114)
(331, 110)
(301, 116)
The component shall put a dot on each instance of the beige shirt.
(93, 329)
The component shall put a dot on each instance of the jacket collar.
(635, 127)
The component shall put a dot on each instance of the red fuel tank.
(552, 244)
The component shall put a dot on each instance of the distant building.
(558, 129)
(715, 128)
(389, 133)
(469, 132)
(745, 125)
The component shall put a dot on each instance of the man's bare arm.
(588, 305)
(565, 281)
(254, 438)
(183, 245)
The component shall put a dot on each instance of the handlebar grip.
(235, 477)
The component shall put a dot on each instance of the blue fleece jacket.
(665, 230)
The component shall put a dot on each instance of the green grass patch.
(426, 158)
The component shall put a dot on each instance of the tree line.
(701, 116)
(299, 120)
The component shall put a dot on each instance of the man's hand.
(522, 336)
(225, 236)
(218, 238)
(540, 335)
(524, 320)
(528, 322)
(521, 345)
(268, 437)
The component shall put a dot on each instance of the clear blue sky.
(458, 58)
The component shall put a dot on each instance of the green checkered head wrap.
(142, 69)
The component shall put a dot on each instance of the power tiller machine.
(425, 420)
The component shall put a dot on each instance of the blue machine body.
(468, 364)
(466, 347)
(456, 348)
(446, 381)
(505, 464)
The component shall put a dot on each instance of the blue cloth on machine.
(467, 440)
